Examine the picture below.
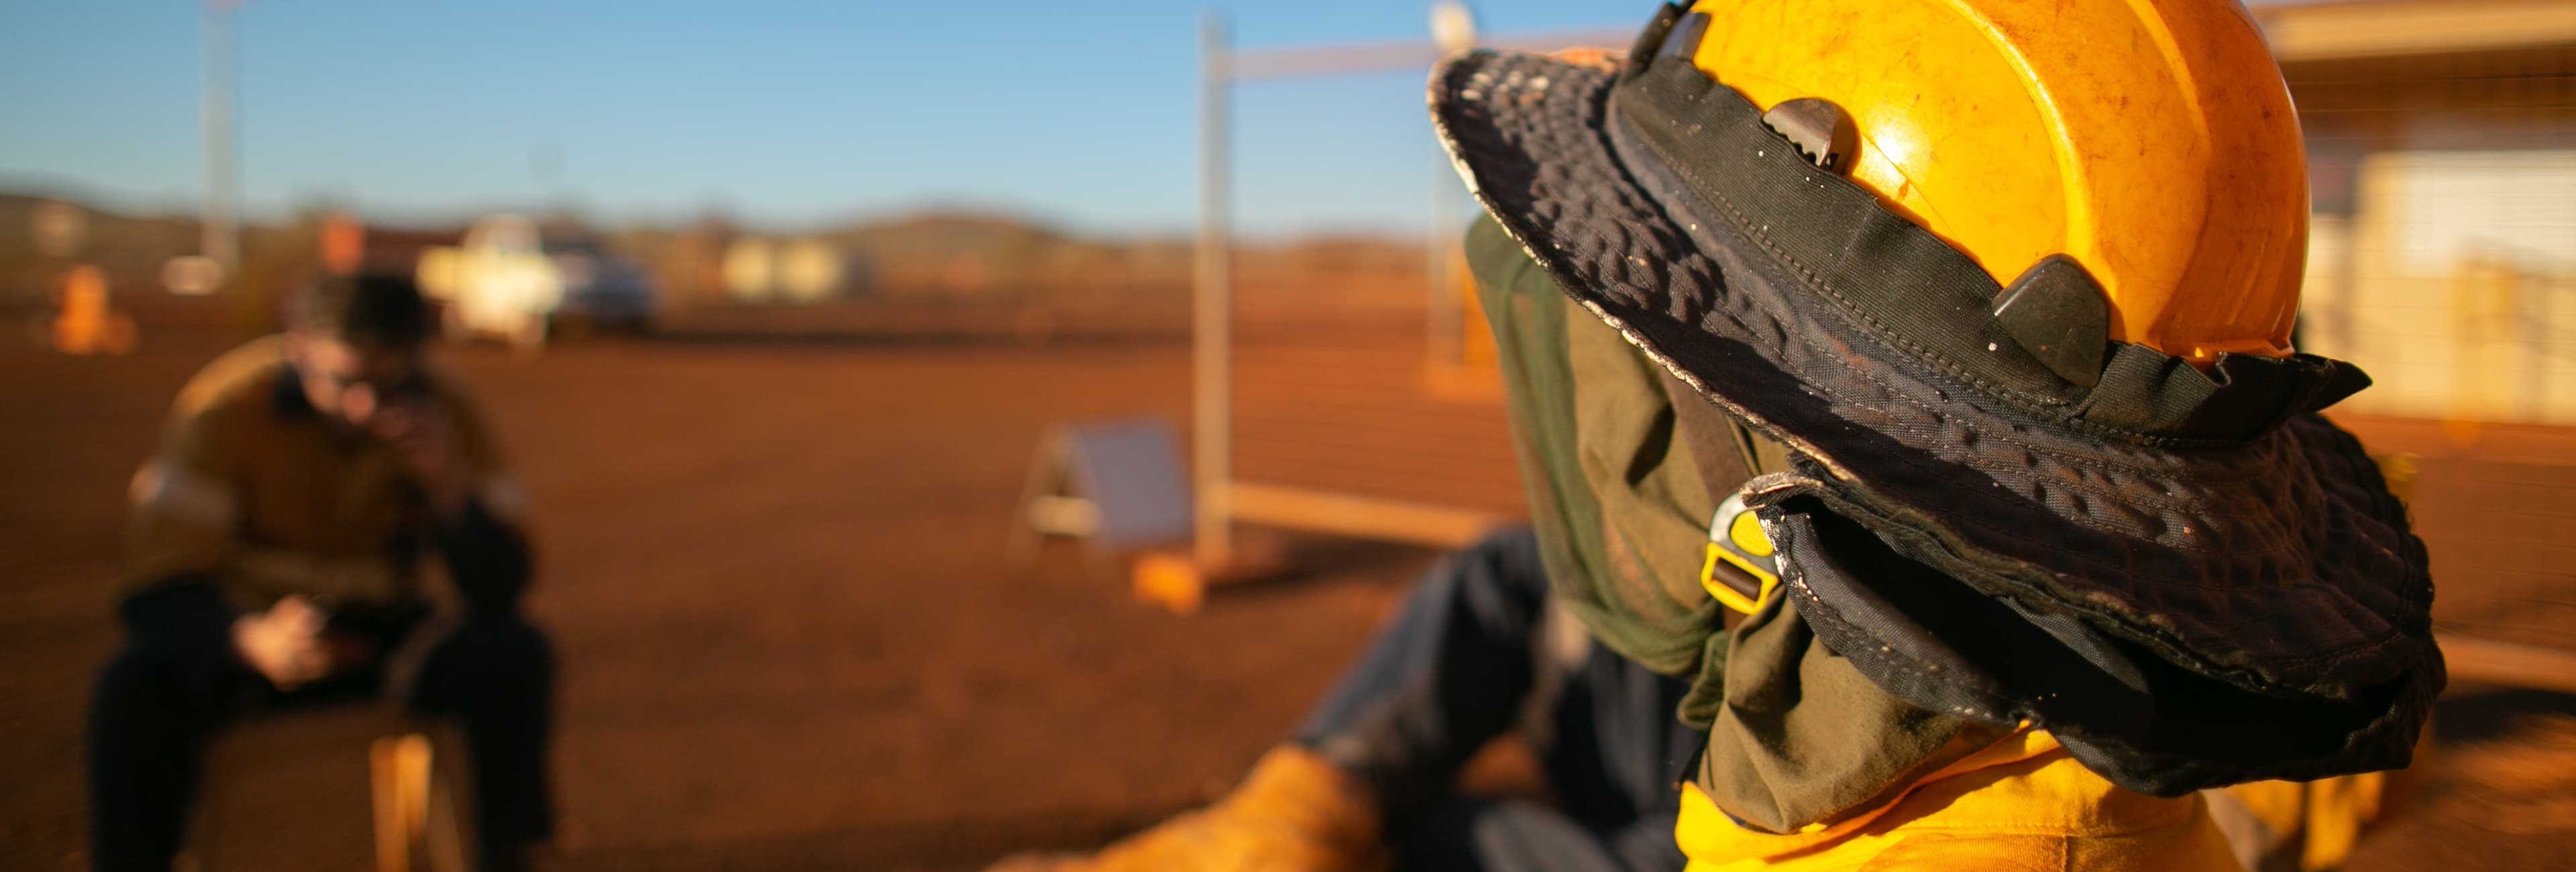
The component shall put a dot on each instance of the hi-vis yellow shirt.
(254, 490)
(2021, 804)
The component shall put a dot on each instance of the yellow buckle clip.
(1750, 569)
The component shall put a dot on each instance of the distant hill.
(984, 258)
(129, 248)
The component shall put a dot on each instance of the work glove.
(1293, 813)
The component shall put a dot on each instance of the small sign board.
(1117, 485)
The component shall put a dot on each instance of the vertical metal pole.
(2531, 301)
(216, 236)
(2347, 306)
(1446, 346)
(1211, 333)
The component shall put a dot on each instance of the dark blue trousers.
(1467, 660)
(160, 699)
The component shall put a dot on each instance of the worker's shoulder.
(242, 379)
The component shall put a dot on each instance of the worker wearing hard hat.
(1913, 380)
(2053, 537)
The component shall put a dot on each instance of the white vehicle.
(508, 281)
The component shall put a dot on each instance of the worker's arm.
(476, 506)
(487, 555)
(193, 573)
(185, 503)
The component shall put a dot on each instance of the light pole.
(218, 240)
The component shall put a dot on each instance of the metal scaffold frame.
(1219, 500)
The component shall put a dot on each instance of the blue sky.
(784, 113)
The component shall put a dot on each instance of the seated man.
(276, 541)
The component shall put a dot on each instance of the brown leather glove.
(1293, 813)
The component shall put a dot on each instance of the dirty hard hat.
(2014, 282)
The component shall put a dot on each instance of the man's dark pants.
(160, 700)
(1466, 661)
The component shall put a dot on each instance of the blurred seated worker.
(1970, 322)
(276, 541)
(1478, 650)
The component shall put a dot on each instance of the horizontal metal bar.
(1357, 516)
(1394, 57)
(2297, 33)
(2491, 662)
(2359, 30)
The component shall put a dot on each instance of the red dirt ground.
(790, 638)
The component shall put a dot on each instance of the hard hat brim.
(2209, 523)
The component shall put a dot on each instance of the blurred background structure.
(2442, 159)
(778, 424)
(1370, 412)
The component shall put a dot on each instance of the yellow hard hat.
(1930, 344)
(2152, 141)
